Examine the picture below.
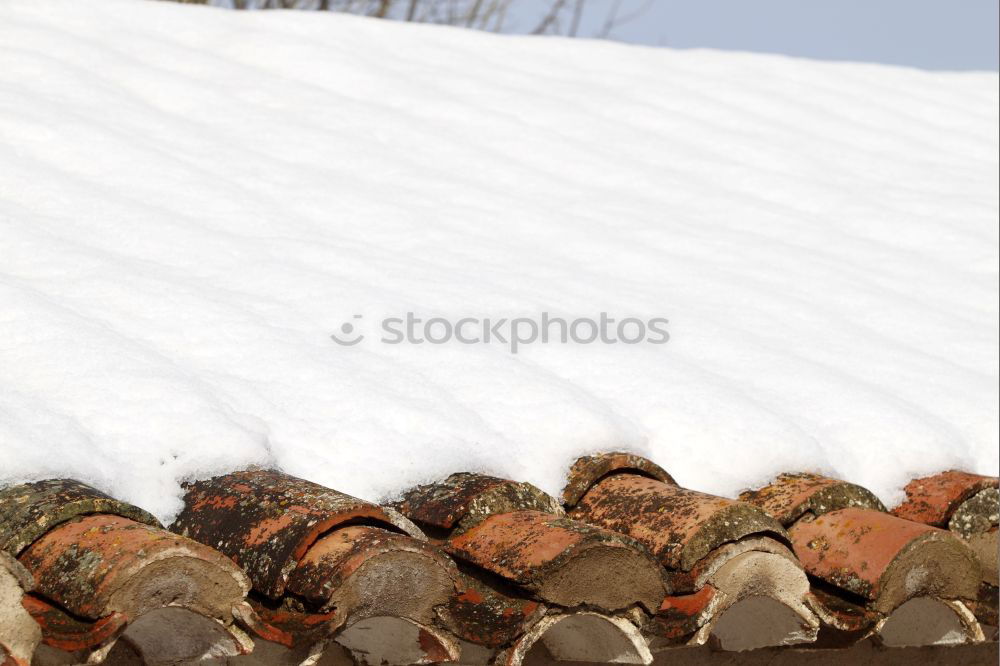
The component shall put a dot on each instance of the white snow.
(193, 199)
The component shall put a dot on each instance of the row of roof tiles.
(267, 568)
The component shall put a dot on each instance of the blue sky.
(930, 34)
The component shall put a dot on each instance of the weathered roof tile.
(95, 565)
(464, 499)
(588, 470)
(100, 577)
(324, 564)
(791, 496)
(581, 636)
(933, 499)
(885, 559)
(487, 615)
(330, 570)
(720, 552)
(563, 561)
(266, 520)
(29, 510)
(678, 525)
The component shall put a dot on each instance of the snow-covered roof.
(478, 569)
(194, 200)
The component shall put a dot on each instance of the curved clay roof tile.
(486, 615)
(464, 499)
(30, 510)
(885, 559)
(933, 499)
(563, 561)
(362, 570)
(582, 636)
(100, 577)
(679, 526)
(266, 520)
(588, 470)
(791, 496)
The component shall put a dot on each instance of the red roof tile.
(678, 525)
(463, 499)
(266, 521)
(588, 470)
(90, 565)
(703, 541)
(101, 576)
(519, 533)
(563, 561)
(843, 536)
(71, 634)
(32, 509)
(969, 506)
(885, 559)
(506, 570)
(323, 564)
(323, 572)
(792, 496)
(933, 499)
(487, 614)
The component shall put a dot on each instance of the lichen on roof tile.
(266, 520)
(29, 510)
(678, 525)
(103, 576)
(588, 470)
(790, 496)
(885, 559)
(564, 561)
(933, 499)
(487, 614)
(464, 499)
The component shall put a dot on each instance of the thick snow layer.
(193, 199)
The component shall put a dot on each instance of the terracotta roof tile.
(92, 566)
(104, 577)
(678, 525)
(885, 559)
(348, 557)
(639, 564)
(394, 641)
(682, 616)
(70, 634)
(266, 520)
(872, 562)
(581, 637)
(32, 509)
(519, 533)
(588, 470)
(843, 622)
(325, 564)
(563, 561)
(933, 499)
(464, 499)
(969, 506)
(716, 551)
(489, 615)
(791, 496)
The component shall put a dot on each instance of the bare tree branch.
(550, 18)
(577, 15)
